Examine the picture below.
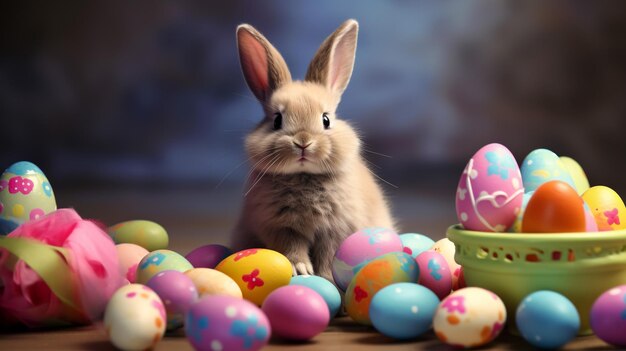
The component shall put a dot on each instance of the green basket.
(580, 266)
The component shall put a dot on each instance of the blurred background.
(139, 109)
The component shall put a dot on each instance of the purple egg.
(435, 273)
(221, 322)
(177, 291)
(296, 312)
(208, 256)
(608, 316)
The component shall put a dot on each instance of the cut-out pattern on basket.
(535, 254)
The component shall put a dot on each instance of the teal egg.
(403, 310)
(25, 194)
(159, 261)
(322, 286)
(541, 166)
(415, 243)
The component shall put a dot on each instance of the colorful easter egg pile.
(550, 194)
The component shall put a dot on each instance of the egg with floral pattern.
(360, 248)
(394, 267)
(221, 322)
(606, 207)
(159, 261)
(25, 194)
(469, 317)
(490, 191)
(135, 318)
(258, 272)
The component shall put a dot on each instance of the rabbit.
(309, 187)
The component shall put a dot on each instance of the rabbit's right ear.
(263, 67)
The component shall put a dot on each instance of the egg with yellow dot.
(25, 194)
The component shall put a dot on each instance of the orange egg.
(555, 207)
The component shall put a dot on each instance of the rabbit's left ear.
(334, 60)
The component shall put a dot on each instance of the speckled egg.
(490, 191)
(135, 318)
(25, 194)
(576, 172)
(208, 256)
(220, 322)
(403, 310)
(415, 243)
(555, 207)
(129, 256)
(434, 273)
(394, 267)
(606, 207)
(322, 286)
(446, 248)
(360, 248)
(547, 319)
(469, 317)
(177, 292)
(258, 272)
(213, 282)
(159, 261)
(149, 235)
(296, 312)
(608, 316)
(541, 166)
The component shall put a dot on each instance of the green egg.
(149, 235)
(159, 261)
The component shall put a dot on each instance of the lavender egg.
(177, 291)
(607, 316)
(222, 322)
(208, 256)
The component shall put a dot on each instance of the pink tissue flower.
(25, 298)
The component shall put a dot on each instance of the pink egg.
(296, 312)
(490, 191)
(360, 248)
(607, 316)
(434, 273)
(220, 322)
(129, 256)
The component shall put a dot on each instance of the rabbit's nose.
(301, 146)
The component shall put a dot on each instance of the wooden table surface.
(203, 215)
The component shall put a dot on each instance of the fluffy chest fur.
(304, 203)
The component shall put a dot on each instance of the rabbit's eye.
(278, 120)
(326, 120)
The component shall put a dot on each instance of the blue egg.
(415, 243)
(543, 165)
(403, 310)
(322, 286)
(547, 319)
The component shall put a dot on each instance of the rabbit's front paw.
(302, 267)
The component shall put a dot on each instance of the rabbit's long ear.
(263, 67)
(334, 60)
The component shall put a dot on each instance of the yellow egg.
(576, 172)
(258, 272)
(213, 282)
(607, 208)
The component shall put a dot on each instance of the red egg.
(555, 207)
